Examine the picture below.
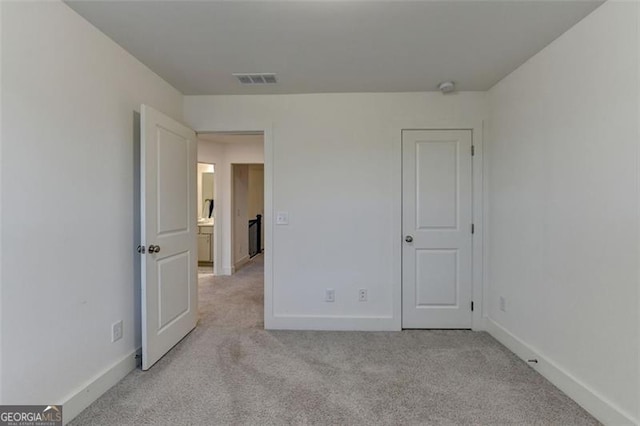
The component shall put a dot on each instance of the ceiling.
(333, 46)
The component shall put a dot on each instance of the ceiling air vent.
(259, 78)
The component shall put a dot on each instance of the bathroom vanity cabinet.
(205, 244)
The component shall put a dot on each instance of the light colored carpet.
(231, 371)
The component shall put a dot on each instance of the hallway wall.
(256, 194)
(240, 201)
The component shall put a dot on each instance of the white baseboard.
(240, 263)
(225, 271)
(597, 405)
(94, 388)
(335, 323)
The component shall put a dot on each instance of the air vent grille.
(257, 78)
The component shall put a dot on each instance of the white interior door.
(436, 222)
(169, 234)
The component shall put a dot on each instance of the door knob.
(154, 249)
(408, 239)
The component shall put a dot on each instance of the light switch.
(282, 218)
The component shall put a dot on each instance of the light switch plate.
(282, 218)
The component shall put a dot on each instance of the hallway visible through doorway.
(235, 301)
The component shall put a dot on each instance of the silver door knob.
(154, 249)
(408, 239)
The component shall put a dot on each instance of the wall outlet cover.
(503, 304)
(330, 295)
(116, 331)
(282, 218)
(362, 295)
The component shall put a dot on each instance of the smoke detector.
(447, 86)
(256, 78)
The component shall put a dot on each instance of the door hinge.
(471, 306)
(473, 150)
(473, 228)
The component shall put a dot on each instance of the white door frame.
(267, 132)
(477, 277)
(215, 212)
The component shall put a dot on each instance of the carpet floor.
(229, 370)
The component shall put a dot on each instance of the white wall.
(240, 202)
(236, 149)
(256, 194)
(1, 272)
(336, 170)
(68, 225)
(563, 222)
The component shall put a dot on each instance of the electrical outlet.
(282, 218)
(116, 331)
(362, 295)
(330, 295)
(503, 304)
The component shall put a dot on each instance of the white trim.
(75, 403)
(336, 322)
(1, 314)
(231, 187)
(240, 263)
(638, 202)
(217, 249)
(596, 404)
(485, 232)
(477, 317)
(638, 198)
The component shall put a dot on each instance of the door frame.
(266, 128)
(478, 278)
(215, 211)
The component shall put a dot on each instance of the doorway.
(238, 231)
(437, 214)
(206, 217)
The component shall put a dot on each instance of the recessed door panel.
(173, 288)
(436, 278)
(173, 182)
(436, 184)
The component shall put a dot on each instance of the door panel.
(168, 216)
(436, 277)
(436, 184)
(173, 181)
(173, 289)
(437, 214)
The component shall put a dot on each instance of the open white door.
(169, 234)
